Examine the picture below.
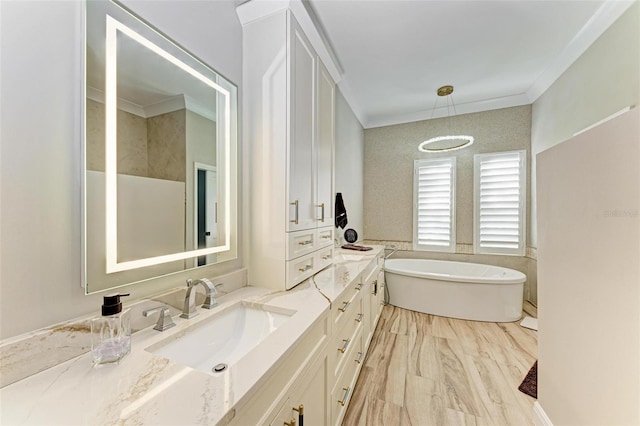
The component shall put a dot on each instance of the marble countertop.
(348, 265)
(149, 389)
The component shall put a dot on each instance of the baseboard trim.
(540, 418)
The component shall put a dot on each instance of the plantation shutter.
(434, 195)
(499, 203)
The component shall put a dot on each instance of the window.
(499, 203)
(434, 204)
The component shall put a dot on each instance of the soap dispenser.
(111, 332)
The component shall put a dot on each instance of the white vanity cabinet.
(301, 379)
(320, 372)
(289, 128)
(346, 350)
(373, 296)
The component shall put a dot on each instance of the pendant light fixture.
(465, 140)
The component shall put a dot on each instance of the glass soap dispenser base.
(111, 332)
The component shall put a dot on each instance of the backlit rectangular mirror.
(160, 154)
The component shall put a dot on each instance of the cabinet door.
(324, 147)
(369, 313)
(381, 294)
(312, 392)
(283, 415)
(375, 298)
(301, 167)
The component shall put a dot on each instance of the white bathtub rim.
(512, 277)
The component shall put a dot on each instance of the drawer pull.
(343, 401)
(345, 345)
(306, 268)
(305, 243)
(345, 306)
(359, 317)
(291, 422)
(359, 286)
(300, 410)
(326, 237)
(360, 357)
(295, 204)
(322, 208)
(326, 257)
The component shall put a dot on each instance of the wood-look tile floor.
(427, 370)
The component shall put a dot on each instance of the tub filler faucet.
(211, 291)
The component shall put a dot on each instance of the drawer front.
(300, 269)
(343, 390)
(301, 243)
(343, 305)
(345, 339)
(324, 257)
(325, 237)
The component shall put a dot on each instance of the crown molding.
(257, 9)
(465, 108)
(174, 103)
(605, 16)
(123, 104)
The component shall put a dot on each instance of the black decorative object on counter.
(350, 235)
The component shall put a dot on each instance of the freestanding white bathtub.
(455, 289)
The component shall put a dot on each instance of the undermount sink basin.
(223, 338)
(342, 257)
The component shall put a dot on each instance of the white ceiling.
(394, 54)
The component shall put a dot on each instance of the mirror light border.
(111, 174)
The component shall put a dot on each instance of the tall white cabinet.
(289, 99)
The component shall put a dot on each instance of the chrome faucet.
(189, 310)
(164, 319)
(393, 249)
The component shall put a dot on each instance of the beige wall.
(132, 141)
(40, 173)
(349, 158)
(388, 177)
(388, 172)
(589, 353)
(167, 145)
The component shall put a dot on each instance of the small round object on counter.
(351, 235)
